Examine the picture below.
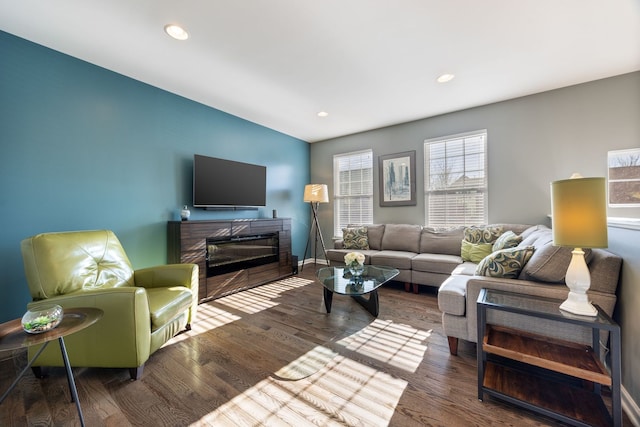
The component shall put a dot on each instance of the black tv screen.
(226, 183)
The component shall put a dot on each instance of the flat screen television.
(220, 183)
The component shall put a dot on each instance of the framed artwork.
(624, 177)
(397, 175)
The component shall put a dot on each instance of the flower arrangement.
(354, 259)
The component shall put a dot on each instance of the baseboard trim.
(630, 407)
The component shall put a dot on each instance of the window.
(456, 180)
(353, 189)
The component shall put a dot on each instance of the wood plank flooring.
(391, 370)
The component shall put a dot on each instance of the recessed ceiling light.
(323, 114)
(443, 78)
(176, 31)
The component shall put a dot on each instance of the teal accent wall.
(82, 148)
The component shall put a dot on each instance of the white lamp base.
(578, 280)
(578, 304)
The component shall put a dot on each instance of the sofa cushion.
(467, 268)
(536, 237)
(441, 241)
(435, 263)
(507, 240)
(374, 234)
(549, 263)
(505, 263)
(355, 238)
(486, 234)
(452, 295)
(396, 259)
(475, 252)
(401, 237)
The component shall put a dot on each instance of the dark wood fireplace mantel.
(187, 243)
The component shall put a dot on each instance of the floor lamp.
(315, 194)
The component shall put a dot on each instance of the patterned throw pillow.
(355, 238)
(488, 234)
(507, 240)
(475, 252)
(505, 263)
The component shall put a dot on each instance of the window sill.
(628, 223)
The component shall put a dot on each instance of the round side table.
(13, 337)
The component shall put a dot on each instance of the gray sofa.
(432, 257)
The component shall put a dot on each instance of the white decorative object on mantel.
(185, 213)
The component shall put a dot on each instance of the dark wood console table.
(187, 243)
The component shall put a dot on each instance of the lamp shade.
(316, 193)
(579, 212)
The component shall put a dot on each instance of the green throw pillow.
(488, 234)
(505, 263)
(475, 252)
(507, 240)
(355, 238)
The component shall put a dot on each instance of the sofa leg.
(407, 287)
(415, 288)
(453, 345)
(136, 373)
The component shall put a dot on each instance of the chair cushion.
(61, 263)
(165, 304)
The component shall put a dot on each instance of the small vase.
(185, 213)
(356, 270)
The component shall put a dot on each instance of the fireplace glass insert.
(240, 252)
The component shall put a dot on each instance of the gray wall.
(532, 141)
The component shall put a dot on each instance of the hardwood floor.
(391, 370)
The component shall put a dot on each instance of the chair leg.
(188, 327)
(38, 372)
(136, 373)
(453, 345)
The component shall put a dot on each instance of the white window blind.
(353, 189)
(456, 180)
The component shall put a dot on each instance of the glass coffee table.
(340, 281)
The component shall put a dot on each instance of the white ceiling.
(369, 63)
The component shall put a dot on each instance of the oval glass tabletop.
(341, 281)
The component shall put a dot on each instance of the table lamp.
(579, 220)
(315, 194)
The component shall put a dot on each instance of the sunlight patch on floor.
(261, 298)
(342, 393)
(307, 364)
(399, 345)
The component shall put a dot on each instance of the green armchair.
(143, 309)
